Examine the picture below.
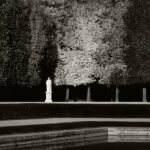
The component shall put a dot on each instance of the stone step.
(54, 124)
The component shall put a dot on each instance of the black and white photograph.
(74, 74)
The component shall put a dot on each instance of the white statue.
(48, 91)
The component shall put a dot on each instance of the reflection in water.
(106, 146)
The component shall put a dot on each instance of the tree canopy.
(14, 42)
(78, 46)
(74, 42)
(137, 56)
(110, 54)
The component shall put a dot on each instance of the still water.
(106, 146)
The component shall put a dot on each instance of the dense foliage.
(137, 56)
(43, 57)
(77, 47)
(74, 42)
(38, 40)
(110, 55)
(14, 42)
(92, 48)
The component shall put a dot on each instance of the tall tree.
(110, 55)
(38, 41)
(138, 36)
(14, 42)
(45, 21)
(78, 46)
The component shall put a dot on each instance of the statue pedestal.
(48, 97)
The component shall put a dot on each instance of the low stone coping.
(54, 121)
